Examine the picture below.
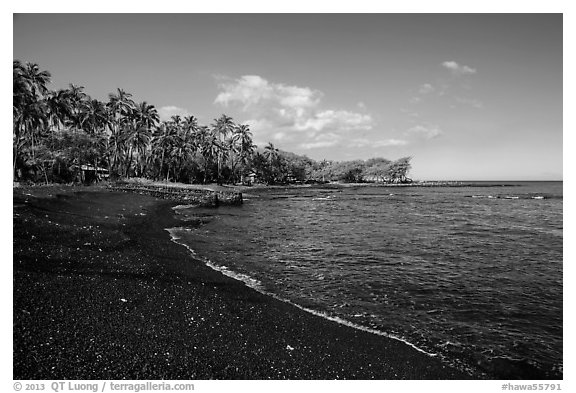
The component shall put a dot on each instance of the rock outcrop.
(201, 197)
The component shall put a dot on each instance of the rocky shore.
(201, 197)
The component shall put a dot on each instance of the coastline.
(101, 292)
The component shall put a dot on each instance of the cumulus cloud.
(330, 119)
(166, 112)
(253, 90)
(458, 69)
(427, 132)
(289, 113)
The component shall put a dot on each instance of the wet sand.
(101, 292)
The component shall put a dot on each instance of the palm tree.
(146, 119)
(29, 80)
(77, 103)
(147, 115)
(187, 143)
(30, 112)
(138, 139)
(119, 106)
(273, 156)
(117, 147)
(270, 152)
(243, 137)
(182, 153)
(94, 117)
(210, 148)
(59, 108)
(191, 123)
(162, 143)
(260, 165)
(176, 119)
(221, 128)
(31, 120)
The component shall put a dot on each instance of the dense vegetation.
(57, 134)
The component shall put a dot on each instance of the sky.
(467, 96)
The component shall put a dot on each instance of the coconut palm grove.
(66, 136)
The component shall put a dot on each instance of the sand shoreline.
(101, 292)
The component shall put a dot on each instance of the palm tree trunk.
(129, 161)
(142, 165)
(14, 173)
(206, 164)
(32, 141)
(16, 143)
(218, 170)
(162, 162)
(45, 174)
(241, 161)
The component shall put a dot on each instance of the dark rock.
(205, 198)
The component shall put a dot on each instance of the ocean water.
(472, 274)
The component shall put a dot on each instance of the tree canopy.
(56, 133)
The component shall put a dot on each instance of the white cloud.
(329, 139)
(427, 132)
(166, 112)
(319, 144)
(389, 142)
(426, 88)
(422, 91)
(249, 90)
(289, 113)
(458, 69)
(252, 90)
(365, 142)
(297, 97)
(334, 120)
(470, 101)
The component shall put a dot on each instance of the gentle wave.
(257, 285)
(246, 279)
(523, 197)
(469, 280)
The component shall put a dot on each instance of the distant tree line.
(57, 134)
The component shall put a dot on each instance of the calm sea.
(472, 274)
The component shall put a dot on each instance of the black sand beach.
(101, 292)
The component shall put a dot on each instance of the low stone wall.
(204, 198)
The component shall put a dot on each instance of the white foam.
(257, 285)
(249, 281)
(353, 325)
(246, 279)
(179, 207)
